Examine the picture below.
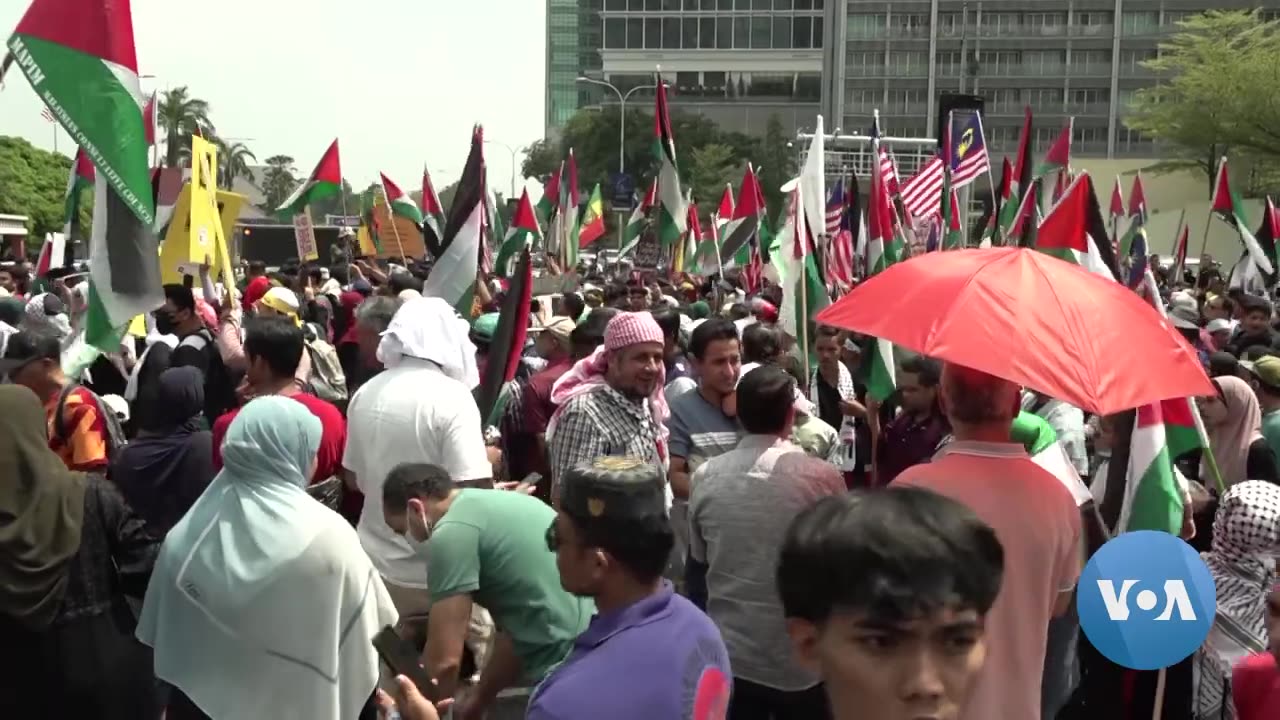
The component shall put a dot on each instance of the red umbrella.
(1032, 319)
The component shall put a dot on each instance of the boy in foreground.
(886, 596)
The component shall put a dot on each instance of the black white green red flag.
(401, 204)
(523, 232)
(453, 277)
(638, 220)
(432, 214)
(672, 214)
(325, 181)
(80, 59)
(1228, 204)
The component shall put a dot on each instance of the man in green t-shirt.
(1266, 385)
(488, 547)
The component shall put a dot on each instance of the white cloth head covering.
(36, 319)
(408, 294)
(427, 328)
(260, 589)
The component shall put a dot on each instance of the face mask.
(165, 324)
(420, 545)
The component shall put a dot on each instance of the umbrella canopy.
(1029, 318)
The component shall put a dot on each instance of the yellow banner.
(203, 222)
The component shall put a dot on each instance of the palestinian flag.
(325, 181)
(671, 209)
(1046, 450)
(1267, 235)
(1137, 216)
(370, 223)
(401, 204)
(567, 215)
(80, 59)
(592, 228)
(1152, 498)
(523, 233)
(547, 204)
(453, 277)
(803, 291)
(953, 239)
(639, 218)
(1116, 212)
(1019, 183)
(495, 229)
(53, 254)
(1074, 231)
(745, 225)
(1180, 253)
(507, 345)
(884, 247)
(1230, 207)
(81, 179)
(432, 215)
(1059, 155)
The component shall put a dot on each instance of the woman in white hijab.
(262, 603)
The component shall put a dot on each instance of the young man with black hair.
(700, 429)
(886, 596)
(916, 433)
(1255, 326)
(673, 357)
(574, 307)
(196, 348)
(273, 347)
(740, 506)
(486, 547)
(648, 653)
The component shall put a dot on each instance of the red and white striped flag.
(889, 171)
(44, 113)
(839, 249)
(922, 194)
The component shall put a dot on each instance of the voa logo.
(1146, 600)
(1175, 594)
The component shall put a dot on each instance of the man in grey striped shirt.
(741, 505)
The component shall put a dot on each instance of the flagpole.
(991, 178)
(1204, 242)
(386, 202)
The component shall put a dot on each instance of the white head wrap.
(427, 328)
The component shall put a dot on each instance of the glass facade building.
(1066, 58)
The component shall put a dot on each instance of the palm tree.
(233, 162)
(181, 116)
(278, 181)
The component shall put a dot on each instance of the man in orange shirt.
(81, 438)
(1035, 519)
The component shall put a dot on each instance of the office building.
(1075, 58)
(737, 62)
(573, 49)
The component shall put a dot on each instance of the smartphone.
(400, 656)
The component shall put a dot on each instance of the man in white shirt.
(419, 410)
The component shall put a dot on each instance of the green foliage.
(710, 167)
(180, 116)
(593, 135)
(1216, 96)
(278, 181)
(233, 162)
(32, 183)
(776, 164)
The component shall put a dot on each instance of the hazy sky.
(398, 82)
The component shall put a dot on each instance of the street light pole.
(513, 163)
(622, 133)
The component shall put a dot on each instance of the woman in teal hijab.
(263, 602)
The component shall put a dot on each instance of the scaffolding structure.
(853, 154)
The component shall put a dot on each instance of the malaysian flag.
(922, 194)
(966, 149)
(839, 257)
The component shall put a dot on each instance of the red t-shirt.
(333, 436)
(1255, 686)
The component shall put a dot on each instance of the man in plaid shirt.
(611, 403)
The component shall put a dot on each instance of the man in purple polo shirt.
(648, 653)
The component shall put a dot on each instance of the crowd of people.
(666, 515)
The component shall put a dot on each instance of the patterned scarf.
(1246, 537)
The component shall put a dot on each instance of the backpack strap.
(59, 415)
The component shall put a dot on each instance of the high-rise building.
(573, 49)
(737, 62)
(1066, 58)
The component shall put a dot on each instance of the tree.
(776, 164)
(32, 183)
(710, 167)
(1215, 97)
(233, 162)
(278, 181)
(180, 116)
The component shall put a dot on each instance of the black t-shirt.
(199, 351)
(829, 403)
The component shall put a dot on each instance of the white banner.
(305, 237)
